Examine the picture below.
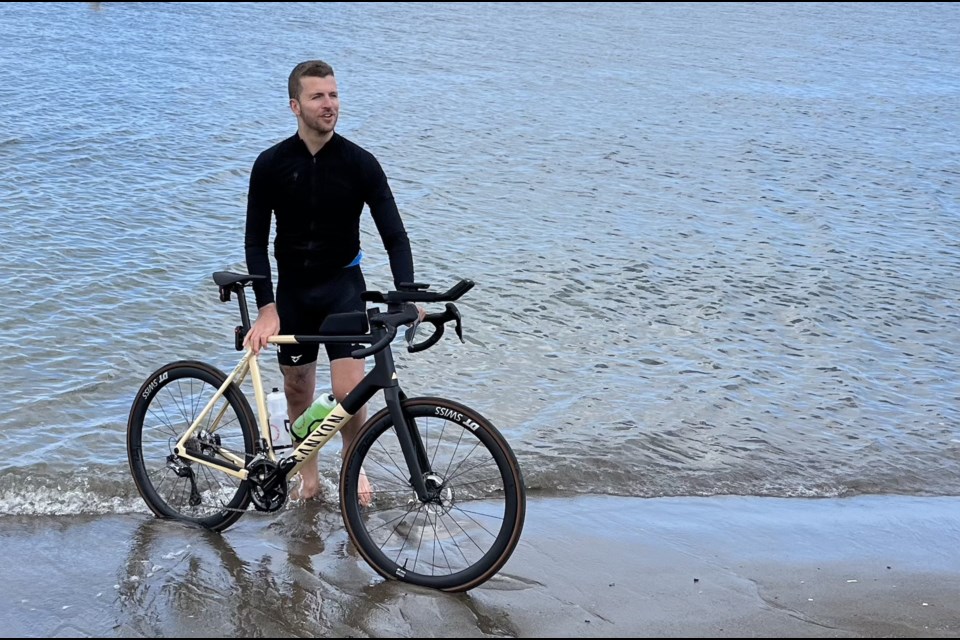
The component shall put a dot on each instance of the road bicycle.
(448, 501)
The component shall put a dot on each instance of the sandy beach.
(586, 567)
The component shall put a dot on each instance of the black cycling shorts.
(303, 307)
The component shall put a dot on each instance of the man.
(316, 183)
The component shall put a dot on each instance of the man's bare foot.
(309, 485)
(364, 489)
(295, 484)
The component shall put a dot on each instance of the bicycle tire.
(476, 493)
(165, 407)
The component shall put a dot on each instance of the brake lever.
(411, 332)
(452, 310)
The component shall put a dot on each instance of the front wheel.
(176, 487)
(466, 532)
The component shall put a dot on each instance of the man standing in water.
(316, 183)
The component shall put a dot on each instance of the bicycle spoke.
(462, 529)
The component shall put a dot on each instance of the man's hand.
(266, 325)
(413, 326)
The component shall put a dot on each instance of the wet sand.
(588, 566)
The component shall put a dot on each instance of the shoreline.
(587, 566)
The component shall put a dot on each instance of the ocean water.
(716, 247)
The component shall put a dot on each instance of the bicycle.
(448, 499)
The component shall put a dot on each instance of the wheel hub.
(441, 500)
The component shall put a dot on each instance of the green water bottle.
(313, 416)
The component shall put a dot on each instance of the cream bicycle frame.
(316, 440)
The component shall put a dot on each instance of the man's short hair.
(314, 68)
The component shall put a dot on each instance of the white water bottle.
(279, 423)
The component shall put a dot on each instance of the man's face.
(318, 105)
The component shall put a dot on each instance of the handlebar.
(438, 320)
(400, 310)
(407, 313)
(415, 292)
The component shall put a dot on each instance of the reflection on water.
(191, 582)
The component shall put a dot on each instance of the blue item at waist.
(356, 260)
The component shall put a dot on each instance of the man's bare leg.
(345, 375)
(299, 385)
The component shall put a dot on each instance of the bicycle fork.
(422, 478)
(384, 377)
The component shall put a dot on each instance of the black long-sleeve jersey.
(318, 201)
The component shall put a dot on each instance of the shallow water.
(715, 247)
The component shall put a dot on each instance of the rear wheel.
(171, 485)
(466, 532)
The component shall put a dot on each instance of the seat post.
(244, 313)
